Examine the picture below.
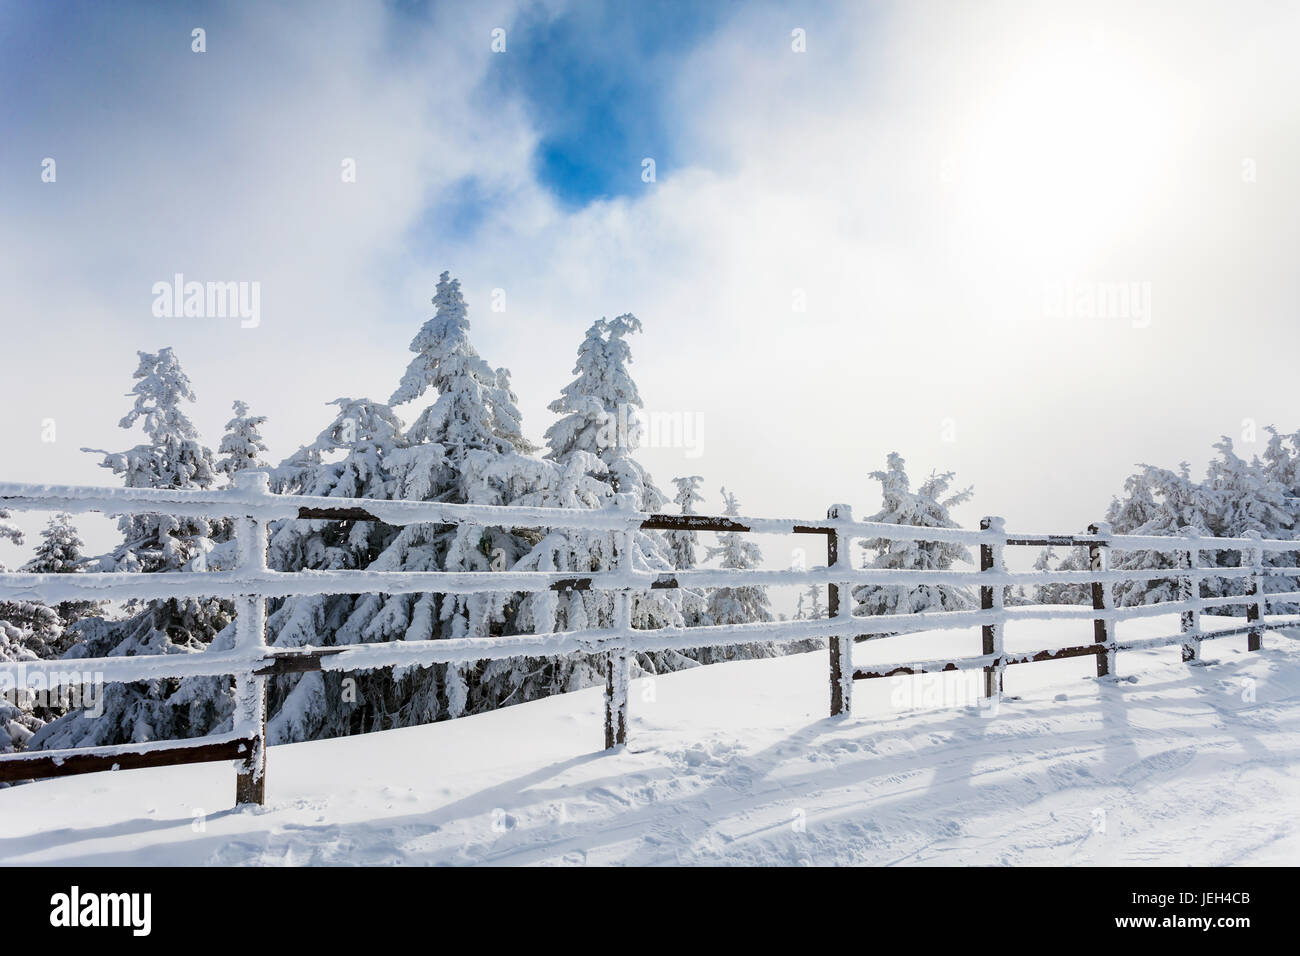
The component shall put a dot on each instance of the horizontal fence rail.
(251, 583)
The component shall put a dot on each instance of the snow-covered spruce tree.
(1282, 467)
(1052, 592)
(590, 454)
(682, 549)
(1235, 497)
(927, 507)
(350, 458)
(60, 552)
(1156, 501)
(815, 609)
(171, 457)
(737, 605)
(682, 545)
(9, 531)
(17, 721)
(31, 627)
(468, 447)
(1242, 496)
(241, 446)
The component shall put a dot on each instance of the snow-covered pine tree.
(927, 507)
(241, 446)
(747, 604)
(590, 454)
(682, 544)
(1242, 496)
(1050, 593)
(1282, 464)
(60, 552)
(350, 458)
(31, 627)
(17, 722)
(682, 551)
(171, 457)
(816, 610)
(1282, 467)
(467, 446)
(8, 530)
(738, 605)
(1156, 501)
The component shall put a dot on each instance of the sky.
(1032, 243)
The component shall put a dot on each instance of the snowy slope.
(736, 763)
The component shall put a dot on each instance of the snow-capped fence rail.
(251, 661)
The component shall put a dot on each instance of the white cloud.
(919, 174)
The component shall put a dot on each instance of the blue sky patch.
(595, 80)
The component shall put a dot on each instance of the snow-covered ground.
(737, 763)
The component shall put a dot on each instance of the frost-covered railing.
(251, 661)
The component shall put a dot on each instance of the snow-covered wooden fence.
(250, 661)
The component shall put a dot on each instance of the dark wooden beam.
(295, 662)
(666, 583)
(1083, 650)
(691, 523)
(336, 514)
(36, 765)
(1051, 540)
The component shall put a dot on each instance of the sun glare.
(1063, 155)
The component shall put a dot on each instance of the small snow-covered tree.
(60, 552)
(29, 630)
(927, 507)
(241, 446)
(747, 604)
(682, 544)
(682, 551)
(32, 629)
(816, 610)
(172, 456)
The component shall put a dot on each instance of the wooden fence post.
(1255, 588)
(993, 598)
(841, 648)
(1103, 597)
(250, 640)
(1189, 589)
(618, 661)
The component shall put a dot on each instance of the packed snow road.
(736, 763)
